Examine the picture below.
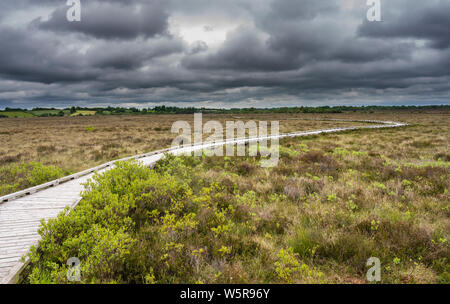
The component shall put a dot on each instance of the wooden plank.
(47, 200)
(33, 217)
(16, 226)
(54, 197)
(9, 261)
(4, 271)
(4, 233)
(10, 258)
(11, 236)
(15, 221)
(59, 205)
(15, 250)
(9, 249)
(31, 209)
(30, 216)
(18, 230)
(10, 213)
(21, 240)
(12, 222)
(18, 240)
(12, 276)
(19, 226)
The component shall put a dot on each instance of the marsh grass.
(333, 202)
(78, 143)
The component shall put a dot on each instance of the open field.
(76, 143)
(16, 114)
(331, 203)
(83, 113)
(72, 144)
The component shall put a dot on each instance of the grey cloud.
(27, 58)
(301, 9)
(295, 41)
(243, 50)
(281, 52)
(428, 20)
(198, 47)
(112, 20)
(131, 55)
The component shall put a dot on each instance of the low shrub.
(16, 177)
(317, 217)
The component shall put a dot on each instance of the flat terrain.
(332, 202)
(36, 150)
(77, 143)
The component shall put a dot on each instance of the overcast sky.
(224, 53)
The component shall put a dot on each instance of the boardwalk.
(21, 212)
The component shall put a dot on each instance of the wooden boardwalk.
(22, 212)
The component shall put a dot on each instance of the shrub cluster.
(317, 217)
(137, 225)
(15, 177)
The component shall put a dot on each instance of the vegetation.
(16, 177)
(81, 111)
(36, 112)
(15, 114)
(332, 202)
(78, 143)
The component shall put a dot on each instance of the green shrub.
(226, 220)
(287, 264)
(16, 177)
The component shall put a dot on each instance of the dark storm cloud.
(297, 37)
(243, 50)
(131, 55)
(276, 52)
(26, 57)
(110, 20)
(423, 21)
(301, 9)
(29, 59)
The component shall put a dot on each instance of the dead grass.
(343, 198)
(78, 143)
(332, 202)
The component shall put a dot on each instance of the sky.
(224, 54)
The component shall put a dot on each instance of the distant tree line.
(45, 112)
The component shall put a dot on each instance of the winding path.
(22, 212)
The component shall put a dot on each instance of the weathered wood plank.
(58, 206)
(11, 236)
(32, 214)
(56, 197)
(15, 227)
(28, 223)
(10, 257)
(10, 261)
(7, 249)
(23, 240)
(18, 231)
